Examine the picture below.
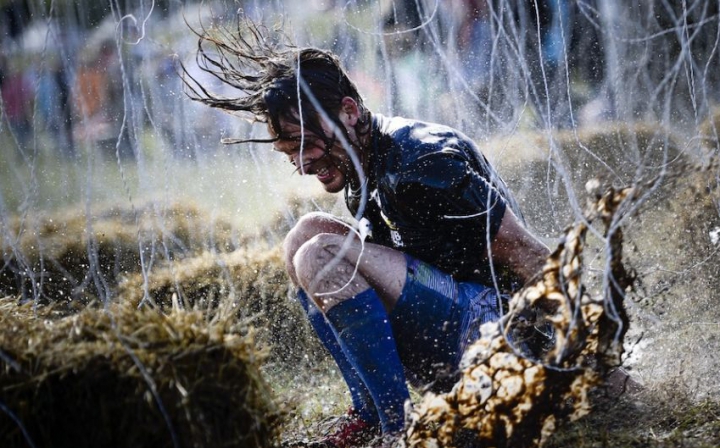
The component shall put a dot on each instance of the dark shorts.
(436, 318)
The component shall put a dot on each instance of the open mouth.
(319, 168)
(323, 174)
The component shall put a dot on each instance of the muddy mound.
(675, 241)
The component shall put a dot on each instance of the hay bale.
(70, 258)
(249, 283)
(127, 378)
(545, 171)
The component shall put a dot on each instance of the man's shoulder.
(418, 132)
(409, 142)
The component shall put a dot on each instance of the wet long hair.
(269, 72)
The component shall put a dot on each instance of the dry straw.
(170, 357)
(71, 259)
(248, 283)
(128, 378)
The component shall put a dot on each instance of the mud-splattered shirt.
(433, 195)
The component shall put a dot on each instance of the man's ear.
(349, 112)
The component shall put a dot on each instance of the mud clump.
(509, 395)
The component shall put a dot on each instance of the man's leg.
(355, 285)
(362, 402)
(435, 319)
(382, 268)
(310, 225)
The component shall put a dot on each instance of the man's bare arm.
(518, 249)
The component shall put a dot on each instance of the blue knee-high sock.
(364, 333)
(362, 401)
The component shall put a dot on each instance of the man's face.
(309, 153)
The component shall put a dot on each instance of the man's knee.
(309, 226)
(325, 273)
(312, 256)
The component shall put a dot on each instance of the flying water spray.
(116, 188)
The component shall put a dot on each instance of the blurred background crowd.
(88, 74)
(76, 76)
(93, 108)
